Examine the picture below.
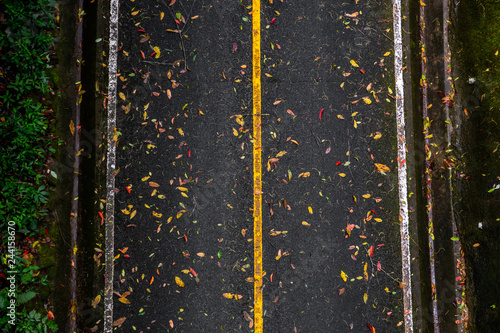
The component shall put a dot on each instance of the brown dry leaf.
(248, 318)
(382, 168)
(258, 192)
(341, 291)
(290, 112)
(144, 39)
(119, 321)
(169, 94)
(153, 184)
(277, 102)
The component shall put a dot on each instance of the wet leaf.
(367, 100)
(157, 52)
(382, 168)
(119, 321)
(124, 300)
(179, 282)
(96, 301)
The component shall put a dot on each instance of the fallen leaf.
(382, 168)
(343, 275)
(96, 301)
(310, 210)
(122, 95)
(304, 174)
(341, 291)
(354, 63)
(367, 100)
(124, 300)
(228, 295)
(306, 224)
(119, 321)
(179, 282)
(365, 297)
(154, 184)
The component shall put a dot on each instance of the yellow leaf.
(382, 167)
(133, 214)
(235, 132)
(200, 254)
(343, 275)
(185, 271)
(122, 95)
(342, 174)
(181, 132)
(390, 90)
(72, 127)
(268, 75)
(135, 13)
(340, 116)
(295, 142)
(304, 174)
(306, 224)
(367, 100)
(158, 52)
(387, 53)
(354, 63)
(183, 189)
(169, 94)
(162, 14)
(377, 136)
(377, 219)
(366, 271)
(365, 297)
(367, 196)
(145, 178)
(310, 210)
(179, 282)
(158, 215)
(281, 153)
(422, 3)
(96, 301)
(227, 295)
(124, 300)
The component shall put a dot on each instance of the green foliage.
(25, 44)
(31, 321)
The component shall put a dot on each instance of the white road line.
(402, 175)
(111, 166)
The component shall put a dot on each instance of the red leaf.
(189, 153)
(126, 256)
(142, 55)
(171, 2)
(273, 20)
(321, 113)
(338, 163)
(185, 238)
(193, 272)
(371, 328)
(362, 71)
(371, 251)
(141, 30)
(379, 266)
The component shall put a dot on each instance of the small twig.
(157, 63)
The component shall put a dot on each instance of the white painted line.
(111, 166)
(402, 175)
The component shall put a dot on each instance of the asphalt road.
(184, 224)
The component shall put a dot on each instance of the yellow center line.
(257, 168)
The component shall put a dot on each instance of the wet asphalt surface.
(331, 247)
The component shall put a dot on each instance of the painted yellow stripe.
(257, 168)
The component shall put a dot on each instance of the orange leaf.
(119, 321)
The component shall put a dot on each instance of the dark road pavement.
(184, 213)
